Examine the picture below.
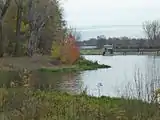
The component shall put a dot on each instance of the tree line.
(30, 26)
(151, 39)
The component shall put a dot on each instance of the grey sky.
(87, 13)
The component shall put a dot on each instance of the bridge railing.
(136, 50)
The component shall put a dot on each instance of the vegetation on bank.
(44, 44)
(24, 101)
(80, 65)
(21, 36)
(91, 52)
(48, 105)
(121, 52)
(45, 63)
(29, 26)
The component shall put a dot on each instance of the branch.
(37, 20)
(19, 3)
(4, 10)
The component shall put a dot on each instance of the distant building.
(108, 49)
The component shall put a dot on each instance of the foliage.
(18, 104)
(22, 102)
(101, 41)
(83, 61)
(74, 32)
(49, 31)
(56, 50)
(66, 51)
(91, 52)
(4, 5)
(80, 65)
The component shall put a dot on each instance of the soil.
(31, 63)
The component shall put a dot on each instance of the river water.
(124, 70)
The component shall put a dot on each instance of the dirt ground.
(36, 62)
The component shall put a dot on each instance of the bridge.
(140, 51)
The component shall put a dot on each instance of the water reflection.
(70, 82)
(121, 77)
(128, 74)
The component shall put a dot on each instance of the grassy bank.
(91, 52)
(119, 52)
(43, 63)
(40, 105)
(81, 65)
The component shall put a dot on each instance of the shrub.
(66, 51)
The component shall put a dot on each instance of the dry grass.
(16, 63)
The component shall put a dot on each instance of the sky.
(105, 15)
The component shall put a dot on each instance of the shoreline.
(74, 68)
(81, 65)
(66, 106)
(99, 52)
(43, 63)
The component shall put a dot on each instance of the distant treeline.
(121, 42)
(150, 28)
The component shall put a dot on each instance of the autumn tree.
(54, 29)
(75, 33)
(37, 19)
(4, 4)
(14, 28)
(30, 25)
(66, 51)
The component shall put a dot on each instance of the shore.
(91, 52)
(49, 104)
(63, 106)
(44, 63)
(99, 52)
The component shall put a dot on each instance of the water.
(124, 70)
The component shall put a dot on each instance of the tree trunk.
(1, 40)
(32, 43)
(18, 29)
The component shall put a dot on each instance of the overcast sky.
(86, 13)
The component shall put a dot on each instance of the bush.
(39, 105)
(83, 61)
(66, 51)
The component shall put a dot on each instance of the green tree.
(20, 5)
(3, 9)
(38, 18)
(31, 25)
(101, 41)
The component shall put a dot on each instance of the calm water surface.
(124, 70)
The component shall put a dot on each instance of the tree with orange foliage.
(74, 51)
(66, 51)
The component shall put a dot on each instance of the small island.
(80, 65)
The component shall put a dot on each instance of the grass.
(30, 63)
(42, 63)
(91, 52)
(81, 65)
(49, 105)
(119, 52)
(21, 102)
